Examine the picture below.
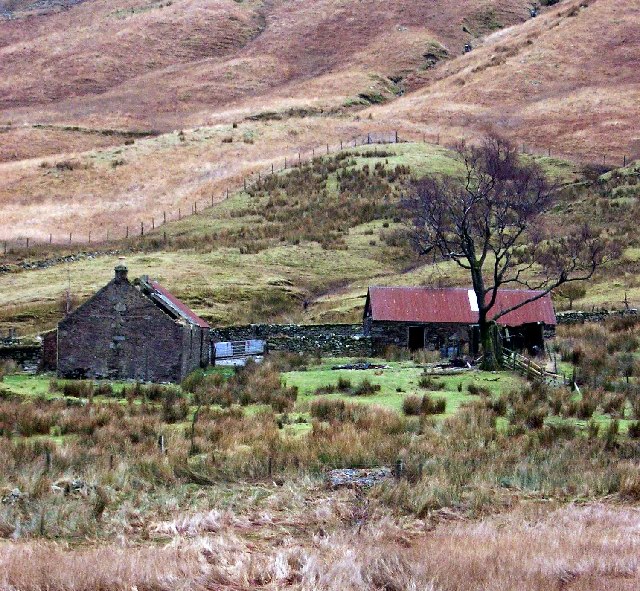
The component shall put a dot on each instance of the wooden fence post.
(89, 236)
(127, 235)
(272, 168)
(327, 148)
(399, 468)
(624, 160)
(165, 236)
(164, 217)
(285, 163)
(341, 144)
(141, 228)
(195, 207)
(396, 136)
(50, 238)
(245, 183)
(27, 243)
(179, 213)
(153, 223)
(69, 237)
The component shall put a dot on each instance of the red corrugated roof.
(184, 310)
(454, 305)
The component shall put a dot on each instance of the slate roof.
(454, 305)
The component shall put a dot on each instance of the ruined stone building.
(136, 331)
(445, 319)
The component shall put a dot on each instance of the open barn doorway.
(416, 338)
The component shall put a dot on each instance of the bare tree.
(490, 220)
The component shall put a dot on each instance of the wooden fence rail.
(530, 369)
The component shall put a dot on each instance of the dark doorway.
(526, 337)
(416, 338)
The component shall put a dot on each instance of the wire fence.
(153, 223)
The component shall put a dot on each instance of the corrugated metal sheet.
(454, 305)
(226, 349)
(184, 310)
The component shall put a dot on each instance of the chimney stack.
(121, 273)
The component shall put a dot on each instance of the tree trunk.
(490, 347)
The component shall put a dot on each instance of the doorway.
(416, 338)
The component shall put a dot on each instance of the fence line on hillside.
(151, 225)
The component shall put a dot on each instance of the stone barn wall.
(385, 334)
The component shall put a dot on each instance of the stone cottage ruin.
(135, 331)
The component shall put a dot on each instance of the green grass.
(403, 375)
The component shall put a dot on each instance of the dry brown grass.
(533, 548)
(568, 83)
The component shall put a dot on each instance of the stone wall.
(576, 317)
(27, 357)
(328, 339)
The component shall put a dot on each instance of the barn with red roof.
(445, 319)
(132, 330)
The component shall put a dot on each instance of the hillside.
(184, 62)
(292, 77)
(318, 234)
(567, 80)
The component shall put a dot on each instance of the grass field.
(396, 380)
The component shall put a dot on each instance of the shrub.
(611, 434)
(412, 405)
(433, 406)
(78, 389)
(478, 390)
(6, 367)
(192, 381)
(429, 383)
(634, 430)
(365, 388)
(328, 389)
(344, 384)
(104, 389)
(328, 410)
(416, 405)
(498, 406)
(585, 409)
(174, 407)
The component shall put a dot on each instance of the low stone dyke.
(328, 339)
(27, 357)
(580, 317)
